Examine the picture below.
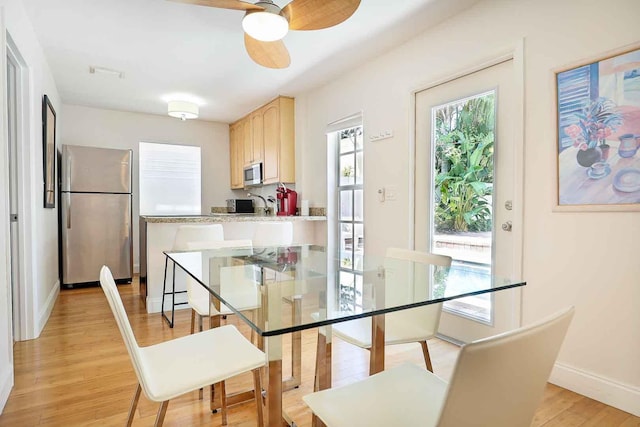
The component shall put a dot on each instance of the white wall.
(38, 225)
(590, 260)
(601, 352)
(118, 129)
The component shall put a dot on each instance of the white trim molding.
(43, 315)
(605, 390)
(6, 384)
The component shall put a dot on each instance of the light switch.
(390, 192)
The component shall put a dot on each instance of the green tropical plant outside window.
(464, 142)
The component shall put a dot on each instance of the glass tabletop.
(278, 290)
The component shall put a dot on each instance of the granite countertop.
(226, 218)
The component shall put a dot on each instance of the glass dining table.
(293, 288)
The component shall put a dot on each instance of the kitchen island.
(157, 234)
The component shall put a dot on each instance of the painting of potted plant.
(590, 128)
(598, 133)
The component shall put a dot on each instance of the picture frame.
(597, 152)
(49, 152)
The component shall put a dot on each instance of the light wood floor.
(78, 373)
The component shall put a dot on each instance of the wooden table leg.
(274, 394)
(296, 343)
(323, 372)
(376, 360)
(323, 364)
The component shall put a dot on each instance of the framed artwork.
(49, 152)
(598, 133)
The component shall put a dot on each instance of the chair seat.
(198, 360)
(243, 302)
(417, 402)
(201, 306)
(397, 330)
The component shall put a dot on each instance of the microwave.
(240, 206)
(253, 175)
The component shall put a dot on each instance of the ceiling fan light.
(265, 26)
(183, 110)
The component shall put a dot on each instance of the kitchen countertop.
(226, 218)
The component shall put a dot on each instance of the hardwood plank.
(78, 373)
(609, 417)
(560, 402)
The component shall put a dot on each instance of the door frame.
(516, 54)
(24, 315)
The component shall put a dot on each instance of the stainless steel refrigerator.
(95, 217)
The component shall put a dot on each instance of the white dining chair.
(415, 325)
(273, 233)
(172, 368)
(189, 233)
(497, 382)
(186, 233)
(245, 297)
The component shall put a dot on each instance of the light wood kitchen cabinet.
(266, 135)
(254, 152)
(236, 151)
(279, 141)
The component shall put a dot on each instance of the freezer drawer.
(96, 231)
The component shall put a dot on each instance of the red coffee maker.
(287, 200)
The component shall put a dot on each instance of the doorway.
(467, 203)
(16, 102)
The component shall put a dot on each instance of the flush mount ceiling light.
(183, 110)
(266, 25)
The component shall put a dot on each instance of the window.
(170, 179)
(350, 217)
(462, 159)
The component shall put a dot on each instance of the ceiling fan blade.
(223, 4)
(318, 14)
(268, 54)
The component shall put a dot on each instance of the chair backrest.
(428, 317)
(194, 290)
(417, 256)
(499, 381)
(115, 302)
(273, 233)
(197, 233)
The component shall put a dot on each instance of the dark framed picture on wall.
(598, 133)
(49, 152)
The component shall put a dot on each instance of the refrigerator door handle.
(69, 212)
(68, 174)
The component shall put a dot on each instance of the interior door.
(465, 207)
(14, 228)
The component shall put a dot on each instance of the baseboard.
(612, 393)
(6, 384)
(44, 314)
(450, 340)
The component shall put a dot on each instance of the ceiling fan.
(265, 23)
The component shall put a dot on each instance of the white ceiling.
(170, 50)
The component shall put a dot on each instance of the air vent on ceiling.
(107, 71)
